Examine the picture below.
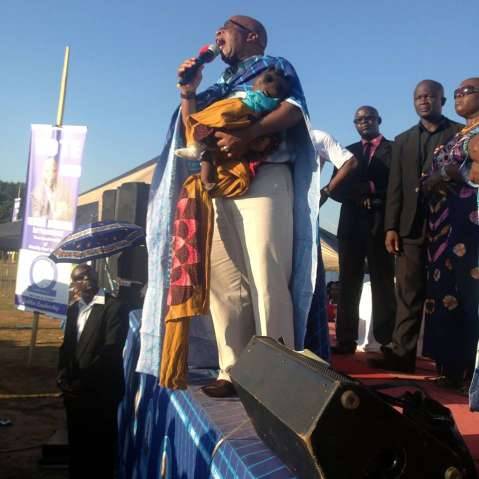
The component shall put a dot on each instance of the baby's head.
(273, 83)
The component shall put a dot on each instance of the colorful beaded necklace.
(470, 127)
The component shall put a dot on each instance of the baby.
(269, 89)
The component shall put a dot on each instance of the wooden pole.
(33, 339)
(59, 123)
(63, 88)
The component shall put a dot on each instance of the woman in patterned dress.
(451, 190)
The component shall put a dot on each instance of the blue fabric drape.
(170, 173)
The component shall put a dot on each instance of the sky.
(124, 55)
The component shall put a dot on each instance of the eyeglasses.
(82, 279)
(233, 23)
(365, 119)
(465, 90)
(229, 23)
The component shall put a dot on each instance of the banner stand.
(33, 339)
(60, 110)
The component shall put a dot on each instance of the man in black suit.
(361, 236)
(90, 374)
(405, 220)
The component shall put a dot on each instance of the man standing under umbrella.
(90, 374)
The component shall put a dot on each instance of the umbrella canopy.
(97, 240)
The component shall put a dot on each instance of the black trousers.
(352, 255)
(411, 292)
(92, 437)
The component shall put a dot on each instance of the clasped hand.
(442, 185)
(360, 192)
(234, 143)
(435, 184)
(70, 389)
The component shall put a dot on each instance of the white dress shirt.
(84, 310)
(328, 149)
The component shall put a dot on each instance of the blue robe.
(170, 173)
(474, 389)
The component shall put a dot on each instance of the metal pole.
(33, 339)
(63, 88)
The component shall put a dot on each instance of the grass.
(34, 420)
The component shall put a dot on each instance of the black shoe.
(220, 389)
(448, 383)
(344, 348)
(392, 362)
(457, 385)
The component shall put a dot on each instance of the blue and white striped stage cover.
(185, 434)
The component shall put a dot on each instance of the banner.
(54, 169)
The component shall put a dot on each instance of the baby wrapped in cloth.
(269, 89)
(188, 293)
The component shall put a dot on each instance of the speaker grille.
(323, 368)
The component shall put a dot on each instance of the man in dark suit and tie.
(90, 374)
(405, 220)
(361, 236)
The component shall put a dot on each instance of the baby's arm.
(285, 116)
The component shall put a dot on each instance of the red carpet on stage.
(468, 422)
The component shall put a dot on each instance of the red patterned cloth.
(188, 294)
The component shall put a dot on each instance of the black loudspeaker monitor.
(108, 205)
(325, 425)
(132, 203)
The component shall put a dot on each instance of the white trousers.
(251, 265)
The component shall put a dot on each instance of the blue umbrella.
(97, 240)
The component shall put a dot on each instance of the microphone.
(206, 55)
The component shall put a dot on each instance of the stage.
(185, 434)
